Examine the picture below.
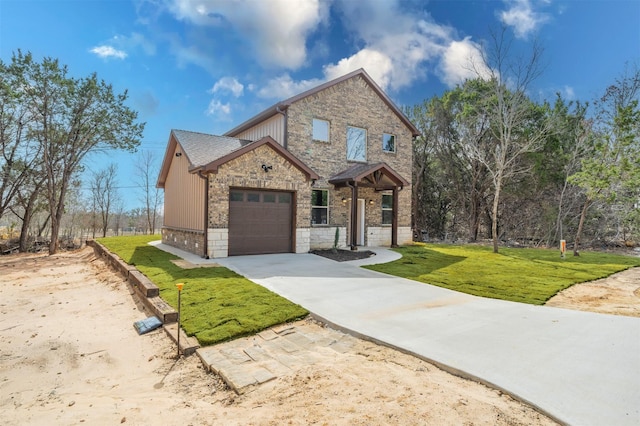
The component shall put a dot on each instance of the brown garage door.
(260, 222)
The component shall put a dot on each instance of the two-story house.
(334, 161)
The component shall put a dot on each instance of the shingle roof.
(207, 152)
(201, 148)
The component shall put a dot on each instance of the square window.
(268, 198)
(236, 196)
(388, 142)
(284, 198)
(356, 144)
(253, 198)
(387, 209)
(319, 207)
(320, 130)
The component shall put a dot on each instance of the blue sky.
(208, 65)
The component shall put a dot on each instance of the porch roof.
(379, 176)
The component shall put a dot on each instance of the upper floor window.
(387, 209)
(319, 206)
(320, 130)
(356, 144)
(388, 142)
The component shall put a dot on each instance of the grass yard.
(521, 275)
(217, 303)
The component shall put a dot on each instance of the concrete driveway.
(580, 368)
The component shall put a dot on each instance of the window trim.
(313, 121)
(395, 140)
(357, 160)
(314, 206)
(383, 209)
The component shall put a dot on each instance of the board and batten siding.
(184, 196)
(273, 127)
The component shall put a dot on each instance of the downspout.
(206, 215)
(285, 136)
(354, 215)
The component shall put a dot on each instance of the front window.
(356, 144)
(387, 209)
(320, 130)
(319, 207)
(388, 142)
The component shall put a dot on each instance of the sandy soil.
(69, 355)
(618, 294)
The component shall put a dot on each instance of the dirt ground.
(69, 355)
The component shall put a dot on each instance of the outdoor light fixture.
(371, 202)
(178, 154)
(344, 200)
(266, 168)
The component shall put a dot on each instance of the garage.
(260, 222)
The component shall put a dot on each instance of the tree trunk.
(26, 222)
(494, 212)
(583, 215)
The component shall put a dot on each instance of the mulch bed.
(343, 255)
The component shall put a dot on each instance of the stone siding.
(246, 172)
(303, 240)
(218, 242)
(324, 237)
(187, 240)
(405, 235)
(350, 103)
(378, 236)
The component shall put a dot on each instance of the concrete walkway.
(580, 368)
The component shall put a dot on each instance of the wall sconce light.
(266, 168)
(371, 202)
(344, 200)
(178, 154)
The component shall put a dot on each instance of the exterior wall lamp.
(178, 154)
(266, 168)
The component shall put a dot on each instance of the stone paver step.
(276, 352)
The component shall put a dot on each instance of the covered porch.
(378, 176)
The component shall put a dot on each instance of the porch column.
(354, 216)
(394, 218)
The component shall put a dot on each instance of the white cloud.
(568, 92)
(521, 16)
(217, 108)
(378, 65)
(108, 52)
(276, 29)
(462, 60)
(228, 84)
(395, 56)
(284, 87)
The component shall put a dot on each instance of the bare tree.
(151, 197)
(512, 116)
(104, 192)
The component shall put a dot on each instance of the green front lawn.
(217, 303)
(520, 275)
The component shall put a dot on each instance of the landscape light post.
(179, 285)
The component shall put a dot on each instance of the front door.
(360, 223)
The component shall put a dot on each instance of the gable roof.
(281, 106)
(269, 141)
(199, 148)
(378, 175)
(208, 152)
